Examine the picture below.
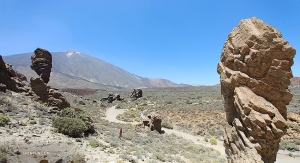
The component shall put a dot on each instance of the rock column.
(255, 72)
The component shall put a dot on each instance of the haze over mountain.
(73, 69)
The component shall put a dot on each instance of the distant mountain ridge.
(73, 69)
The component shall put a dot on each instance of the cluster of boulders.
(153, 121)
(136, 93)
(112, 97)
(255, 72)
(39, 90)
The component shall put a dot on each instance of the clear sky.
(179, 40)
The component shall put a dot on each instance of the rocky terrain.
(176, 124)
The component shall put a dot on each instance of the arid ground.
(192, 118)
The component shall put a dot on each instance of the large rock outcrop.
(11, 79)
(255, 72)
(41, 63)
(41, 92)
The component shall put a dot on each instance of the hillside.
(78, 70)
(295, 81)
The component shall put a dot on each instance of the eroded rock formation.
(255, 72)
(41, 63)
(41, 91)
(153, 121)
(136, 93)
(112, 97)
(11, 79)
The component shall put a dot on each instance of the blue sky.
(180, 40)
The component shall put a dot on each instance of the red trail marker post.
(120, 135)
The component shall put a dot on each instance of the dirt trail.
(111, 116)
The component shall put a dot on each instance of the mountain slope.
(78, 70)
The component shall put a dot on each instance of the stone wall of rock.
(255, 72)
(10, 78)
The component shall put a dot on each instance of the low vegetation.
(73, 122)
(3, 119)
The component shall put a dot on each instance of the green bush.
(23, 103)
(206, 139)
(292, 147)
(94, 143)
(159, 156)
(213, 141)
(166, 124)
(69, 126)
(79, 114)
(3, 119)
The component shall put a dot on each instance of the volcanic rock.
(41, 63)
(136, 93)
(40, 91)
(255, 72)
(11, 79)
(153, 121)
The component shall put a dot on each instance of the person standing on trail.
(120, 133)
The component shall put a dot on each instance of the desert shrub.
(78, 158)
(3, 153)
(79, 114)
(213, 141)
(206, 139)
(69, 126)
(94, 143)
(23, 123)
(166, 124)
(130, 116)
(159, 156)
(42, 121)
(3, 119)
(297, 141)
(111, 151)
(23, 103)
(81, 103)
(188, 102)
(292, 147)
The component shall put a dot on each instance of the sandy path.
(111, 115)
(112, 112)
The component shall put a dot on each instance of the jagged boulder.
(41, 63)
(41, 91)
(255, 72)
(153, 121)
(136, 93)
(11, 79)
